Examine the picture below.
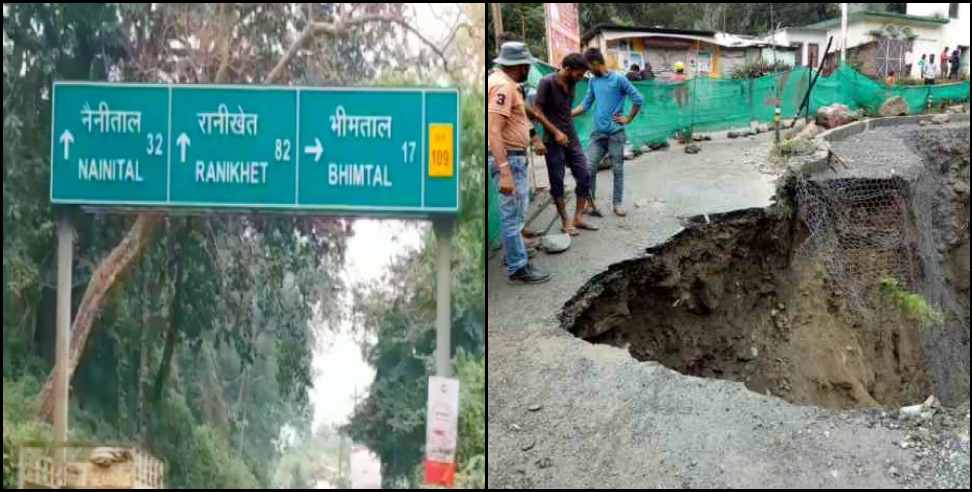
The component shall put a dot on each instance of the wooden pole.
(497, 22)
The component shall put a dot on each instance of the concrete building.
(872, 54)
(704, 53)
(809, 44)
(956, 32)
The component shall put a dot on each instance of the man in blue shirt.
(607, 92)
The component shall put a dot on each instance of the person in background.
(681, 92)
(647, 73)
(943, 63)
(909, 60)
(892, 79)
(634, 74)
(508, 128)
(956, 62)
(606, 94)
(930, 72)
(921, 66)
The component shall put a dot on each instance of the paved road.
(608, 421)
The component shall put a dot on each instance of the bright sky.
(339, 368)
(428, 17)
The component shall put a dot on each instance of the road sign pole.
(443, 357)
(65, 253)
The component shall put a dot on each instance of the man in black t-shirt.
(555, 98)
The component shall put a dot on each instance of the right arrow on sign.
(183, 142)
(317, 150)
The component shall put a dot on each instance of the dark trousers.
(559, 158)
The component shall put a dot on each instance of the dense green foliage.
(472, 415)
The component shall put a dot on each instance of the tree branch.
(225, 44)
(343, 27)
(106, 276)
(121, 259)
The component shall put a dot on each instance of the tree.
(223, 43)
(472, 421)
(193, 336)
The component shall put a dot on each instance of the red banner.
(563, 31)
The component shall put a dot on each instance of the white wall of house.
(930, 38)
(859, 33)
(927, 40)
(804, 38)
(770, 55)
(957, 30)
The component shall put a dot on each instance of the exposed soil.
(734, 297)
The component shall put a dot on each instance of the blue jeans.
(612, 145)
(513, 210)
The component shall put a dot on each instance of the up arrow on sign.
(183, 142)
(67, 139)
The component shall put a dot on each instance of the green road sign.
(382, 151)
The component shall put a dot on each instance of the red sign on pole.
(563, 31)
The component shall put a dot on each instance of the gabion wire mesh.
(865, 231)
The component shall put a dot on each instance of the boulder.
(658, 145)
(834, 116)
(555, 243)
(894, 106)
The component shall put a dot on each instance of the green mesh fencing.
(705, 105)
(493, 226)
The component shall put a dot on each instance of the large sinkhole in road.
(851, 291)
